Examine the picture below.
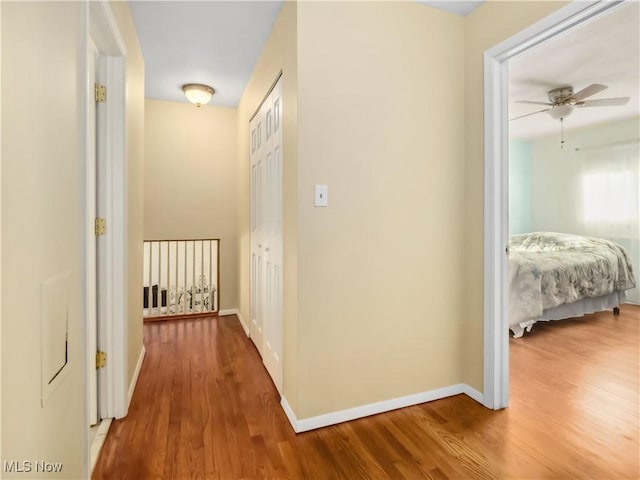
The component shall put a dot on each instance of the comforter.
(550, 269)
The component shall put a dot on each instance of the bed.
(553, 276)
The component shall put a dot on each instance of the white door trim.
(496, 187)
(103, 30)
(1, 235)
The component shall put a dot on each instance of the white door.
(257, 222)
(92, 345)
(110, 177)
(96, 253)
(104, 250)
(266, 232)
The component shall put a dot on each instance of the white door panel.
(92, 327)
(104, 251)
(266, 232)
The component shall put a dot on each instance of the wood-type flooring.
(205, 408)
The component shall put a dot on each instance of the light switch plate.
(322, 196)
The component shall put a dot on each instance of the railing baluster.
(202, 275)
(175, 309)
(210, 292)
(159, 290)
(149, 293)
(193, 275)
(168, 306)
(184, 297)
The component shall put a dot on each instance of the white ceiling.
(212, 42)
(218, 43)
(605, 51)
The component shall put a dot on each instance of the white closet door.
(257, 226)
(266, 230)
(272, 336)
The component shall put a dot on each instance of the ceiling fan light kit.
(562, 102)
(560, 111)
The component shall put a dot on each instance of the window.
(610, 203)
(607, 197)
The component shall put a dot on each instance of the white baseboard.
(473, 393)
(98, 440)
(290, 415)
(236, 312)
(245, 327)
(333, 418)
(136, 373)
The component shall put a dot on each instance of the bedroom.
(576, 172)
(584, 369)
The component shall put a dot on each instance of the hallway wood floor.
(205, 408)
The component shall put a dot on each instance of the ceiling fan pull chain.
(561, 132)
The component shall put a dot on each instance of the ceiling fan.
(562, 101)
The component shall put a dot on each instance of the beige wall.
(381, 122)
(279, 55)
(42, 226)
(380, 117)
(485, 27)
(389, 116)
(135, 174)
(190, 181)
(43, 164)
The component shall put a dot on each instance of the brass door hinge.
(101, 226)
(101, 93)
(101, 359)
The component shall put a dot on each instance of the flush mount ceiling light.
(197, 93)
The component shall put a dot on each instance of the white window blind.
(610, 186)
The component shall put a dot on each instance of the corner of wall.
(134, 377)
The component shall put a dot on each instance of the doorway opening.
(496, 213)
(107, 393)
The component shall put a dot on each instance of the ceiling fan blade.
(529, 114)
(528, 102)
(587, 92)
(604, 102)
